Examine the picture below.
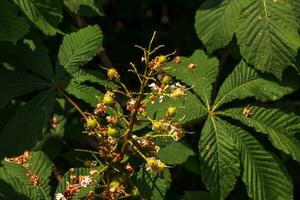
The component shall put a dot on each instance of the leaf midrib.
(218, 156)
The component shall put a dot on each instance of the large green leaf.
(244, 82)
(219, 158)
(80, 47)
(275, 123)
(262, 174)
(175, 153)
(153, 186)
(268, 35)
(188, 109)
(15, 83)
(12, 26)
(216, 21)
(93, 76)
(75, 6)
(17, 176)
(36, 61)
(27, 125)
(86, 93)
(201, 77)
(45, 14)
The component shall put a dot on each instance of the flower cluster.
(115, 126)
(24, 161)
(155, 165)
(77, 182)
(176, 90)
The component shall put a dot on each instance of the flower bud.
(156, 125)
(112, 73)
(171, 110)
(177, 93)
(166, 79)
(108, 98)
(114, 185)
(162, 59)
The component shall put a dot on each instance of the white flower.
(60, 196)
(160, 99)
(94, 163)
(154, 87)
(93, 172)
(85, 181)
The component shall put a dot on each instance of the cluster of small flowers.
(76, 184)
(34, 179)
(155, 165)
(113, 74)
(158, 63)
(20, 160)
(132, 107)
(115, 190)
(168, 127)
(147, 143)
(177, 90)
(23, 160)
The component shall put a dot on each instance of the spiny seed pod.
(91, 122)
(166, 79)
(113, 132)
(108, 98)
(171, 110)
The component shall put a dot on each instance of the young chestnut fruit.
(91, 122)
(108, 98)
(113, 132)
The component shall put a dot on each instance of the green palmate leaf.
(261, 173)
(153, 186)
(7, 188)
(201, 77)
(175, 153)
(296, 5)
(36, 61)
(244, 82)
(14, 84)
(19, 176)
(12, 26)
(45, 14)
(216, 21)
(26, 126)
(188, 109)
(84, 92)
(278, 125)
(93, 76)
(80, 47)
(74, 6)
(219, 157)
(268, 35)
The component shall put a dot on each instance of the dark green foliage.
(239, 73)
